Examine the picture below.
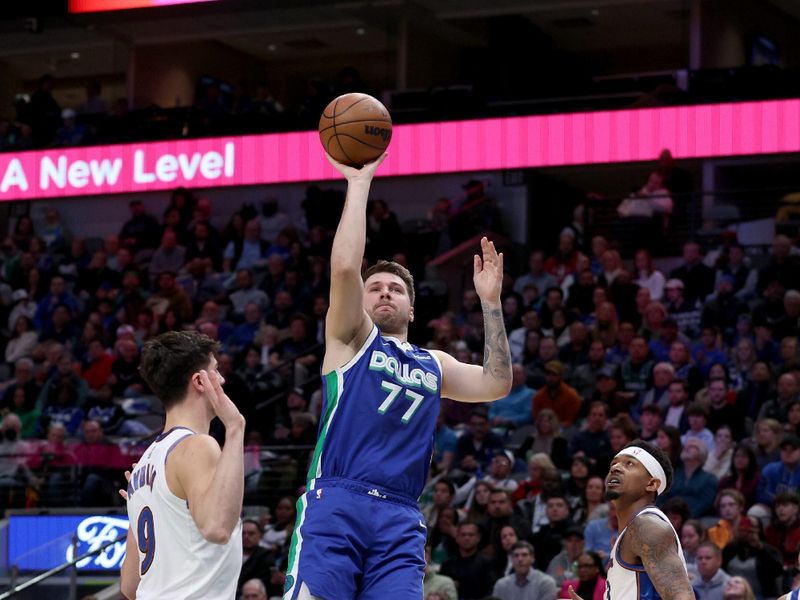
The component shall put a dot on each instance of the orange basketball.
(355, 129)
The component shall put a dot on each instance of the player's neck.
(187, 415)
(626, 514)
(398, 335)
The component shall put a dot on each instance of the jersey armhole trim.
(166, 456)
(352, 362)
(630, 566)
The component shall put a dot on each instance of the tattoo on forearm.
(654, 542)
(496, 355)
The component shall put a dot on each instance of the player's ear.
(411, 315)
(652, 485)
(196, 383)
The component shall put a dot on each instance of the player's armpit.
(653, 541)
(468, 383)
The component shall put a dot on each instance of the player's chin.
(388, 322)
(611, 495)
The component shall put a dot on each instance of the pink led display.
(84, 6)
(751, 128)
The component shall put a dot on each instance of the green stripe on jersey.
(332, 387)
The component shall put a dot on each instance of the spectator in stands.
(536, 275)
(719, 459)
(63, 374)
(697, 416)
(766, 441)
(783, 532)
(63, 407)
(470, 569)
(591, 581)
(564, 261)
(733, 263)
(526, 583)
(62, 328)
(602, 533)
(256, 561)
(584, 377)
(518, 338)
(97, 369)
(246, 293)
(71, 133)
(14, 470)
(434, 583)
(787, 391)
(515, 409)
(141, 231)
(564, 564)
(557, 395)
(443, 493)
(274, 278)
(730, 506)
(738, 588)
(547, 541)
(749, 557)
(635, 372)
(478, 445)
(248, 252)
(650, 421)
(253, 589)
(721, 410)
(58, 295)
(782, 475)
(789, 324)
(743, 474)
(43, 111)
(168, 257)
(783, 266)
(648, 276)
(723, 310)
(681, 360)
(686, 312)
(709, 351)
(710, 584)
(592, 441)
(202, 245)
(23, 340)
(499, 514)
(698, 279)
(384, 236)
(127, 381)
(99, 467)
(692, 535)
(691, 482)
(658, 394)
(170, 297)
(94, 103)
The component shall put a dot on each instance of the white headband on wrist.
(650, 463)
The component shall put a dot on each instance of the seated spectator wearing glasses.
(591, 582)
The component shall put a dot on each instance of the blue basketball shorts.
(355, 541)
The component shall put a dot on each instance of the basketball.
(355, 129)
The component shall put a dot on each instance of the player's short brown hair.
(170, 360)
(389, 266)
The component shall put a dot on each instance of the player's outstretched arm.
(212, 480)
(129, 573)
(653, 541)
(346, 323)
(471, 383)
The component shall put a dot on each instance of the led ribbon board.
(704, 131)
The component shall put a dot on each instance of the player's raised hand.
(223, 406)
(353, 175)
(124, 493)
(488, 272)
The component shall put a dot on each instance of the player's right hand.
(353, 175)
(223, 406)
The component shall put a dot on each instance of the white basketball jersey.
(175, 561)
(627, 581)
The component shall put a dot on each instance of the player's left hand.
(573, 595)
(124, 493)
(488, 272)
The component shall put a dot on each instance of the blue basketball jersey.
(379, 417)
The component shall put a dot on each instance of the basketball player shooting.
(647, 559)
(185, 494)
(359, 533)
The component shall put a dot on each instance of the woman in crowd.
(751, 558)
(692, 535)
(743, 474)
(766, 441)
(23, 340)
(502, 560)
(591, 582)
(278, 533)
(737, 588)
(743, 357)
(730, 507)
(719, 459)
(668, 439)
(591, 504)
(546, 439)
(538, 464)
